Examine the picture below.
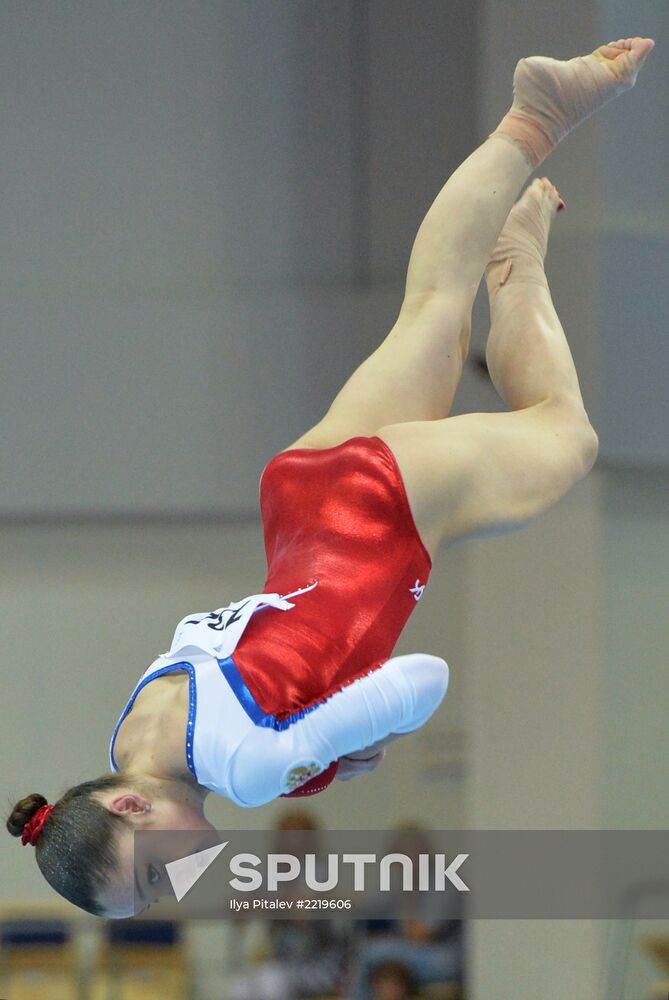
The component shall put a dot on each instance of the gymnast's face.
(141, 881)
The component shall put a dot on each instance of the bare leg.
(458, 233)
(551, 98)
(414, 373)
(482, 474)
(527, 352)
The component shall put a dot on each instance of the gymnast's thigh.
(322, 435)
(481, 475)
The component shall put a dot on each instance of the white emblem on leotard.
(417, 590)
(218, 632)
(300, 772)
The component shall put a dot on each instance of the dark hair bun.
(23, 811)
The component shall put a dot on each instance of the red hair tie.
(33, 827)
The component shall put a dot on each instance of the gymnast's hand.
(363, 761)
(358, 763)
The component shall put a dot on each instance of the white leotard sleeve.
(397, 697)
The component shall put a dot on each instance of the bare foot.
(553, 96)
(625, 57)
(521, 247)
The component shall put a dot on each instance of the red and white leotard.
(281, 688)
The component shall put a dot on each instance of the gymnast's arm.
(392, 700)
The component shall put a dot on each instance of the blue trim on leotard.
(192, 709)
(257, 715)
(238, 687)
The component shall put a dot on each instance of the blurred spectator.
(392, 981)
(295, 958)
(428, 945)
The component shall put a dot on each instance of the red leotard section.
(340, 516)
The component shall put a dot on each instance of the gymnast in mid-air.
(280, 692)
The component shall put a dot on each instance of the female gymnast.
(353, 515)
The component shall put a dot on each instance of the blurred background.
(207, 213)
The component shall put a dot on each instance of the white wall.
(635, 556)
(156, 162)
(193, 194)
(635, 551)
(634, 232)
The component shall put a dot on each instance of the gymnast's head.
(84, 842)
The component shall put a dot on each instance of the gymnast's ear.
(127, 803)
